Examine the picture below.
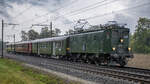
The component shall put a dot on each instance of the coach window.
(50, 43)
(56, 44)
(45, 45)
(59, 44)
(23, 46)
(41, 45)
(73, 38)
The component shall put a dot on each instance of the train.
(105, 46)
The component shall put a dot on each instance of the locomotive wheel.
(89, 61)
(96, 62)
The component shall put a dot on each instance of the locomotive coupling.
(115, 56)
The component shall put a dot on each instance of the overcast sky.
(64, 13)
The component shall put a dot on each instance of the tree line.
(140, 40)
(45, 33)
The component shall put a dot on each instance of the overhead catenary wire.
(90, 8)
(48, 13)
(129, 8)
(100, 15)
(79, 10)
(62, 7)
(21, 13)
(87, 6)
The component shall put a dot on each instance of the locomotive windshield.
(119, 35)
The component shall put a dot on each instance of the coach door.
(54, 48)
(30, 47)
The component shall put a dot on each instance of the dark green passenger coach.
(50, 46)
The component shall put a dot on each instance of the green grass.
(12, 72)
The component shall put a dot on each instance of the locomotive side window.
(126, 34)
(73, 38)
(94, 37)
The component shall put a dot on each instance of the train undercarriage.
(97, 59)
(100, 59)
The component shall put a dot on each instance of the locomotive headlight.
(113, 48)
(121, 40)
(68, 49)
(129, 49)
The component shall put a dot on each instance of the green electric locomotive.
(106, 46)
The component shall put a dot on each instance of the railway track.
(120, 74)
(141, 76)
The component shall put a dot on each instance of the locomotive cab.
(121, 51)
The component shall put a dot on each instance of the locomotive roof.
(87, 33)
(42, 40)
(96, 31)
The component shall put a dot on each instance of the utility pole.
(14, 38)
(44, 25)
(50, 31)
(14, 42)
(2, 37)
(51, 36)
(14, 34)
(51, 25)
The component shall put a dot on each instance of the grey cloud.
(130, 21)
(50, 5)
(131, 16)
(4, 14)
(3, 9)
(61, 18)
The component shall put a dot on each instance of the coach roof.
(44, 40)
(50, 39)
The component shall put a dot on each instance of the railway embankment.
(88, 72)
(12, 72)
(140, 61)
